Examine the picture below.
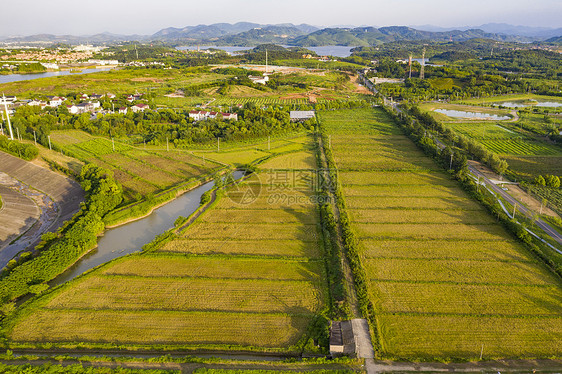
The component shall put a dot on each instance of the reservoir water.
(27, 77)
(543, 104)
(471, 115)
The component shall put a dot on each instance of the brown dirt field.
(294, 96)
(358, 88)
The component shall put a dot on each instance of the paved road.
(540, 223)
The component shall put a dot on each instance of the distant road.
(540, 223)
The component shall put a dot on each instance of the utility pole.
(49, 137)
(481, 351)
(218, 144)
(451, 163)
(514, 209)
(8, 117)
(113, 144)
(167, 146)
(34, 137)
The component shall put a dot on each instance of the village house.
(259, 79)
(230, 116)
(110, 95)
(198, 115)
(34, 103)
(72, 109)
(139, 108)
(55, 101)
(85, 107)
(122, 110)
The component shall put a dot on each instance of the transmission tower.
(422, 64)
(410, 65)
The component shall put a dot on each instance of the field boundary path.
(58, 196)
(349, 280)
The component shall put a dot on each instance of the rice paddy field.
(141, 172)
(446, 279)
(248, 274)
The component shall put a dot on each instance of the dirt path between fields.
(349, 281)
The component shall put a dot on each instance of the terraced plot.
(445, 278)
(246, 275)
(140, 172)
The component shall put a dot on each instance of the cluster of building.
(48, 55)
(319, 58)
(199, 115)
(143, 63)
(88, 104)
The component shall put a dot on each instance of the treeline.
(57, 251)
(25, 151)
(421, 123)
(157, 127)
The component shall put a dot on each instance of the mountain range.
(251, 34)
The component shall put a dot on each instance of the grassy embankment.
(445, 278)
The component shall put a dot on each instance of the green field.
(444, 276)
(140, 172)
(245, 275)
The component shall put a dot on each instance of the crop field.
(444, 276)
(246, 274)
(140, 172)
(260, 101)
(239, 154)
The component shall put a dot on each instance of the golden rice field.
(445, 278)
(245, 275)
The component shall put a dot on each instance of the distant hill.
(73, 39)
(259, 35)
(303, 35)
(536, 33)
(365, 36)
(203, 31)
(556, 40)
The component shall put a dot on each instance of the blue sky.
(149, 16)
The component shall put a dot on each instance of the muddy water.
(130, 237)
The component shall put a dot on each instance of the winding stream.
(130, 237)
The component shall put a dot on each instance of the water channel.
(130, 237)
